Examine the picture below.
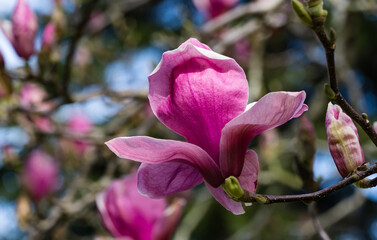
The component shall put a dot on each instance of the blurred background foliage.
(106, 50)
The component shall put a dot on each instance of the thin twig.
(329, 47)
(317, 224)
(308, 197)
(86, 13)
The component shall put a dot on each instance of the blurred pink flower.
(126, 213)
(24, 29)
(48, 37)
(375, 126)
(214, 8)
(97, 21)
(40, 175)
(33, 97)
(44, 124)
(343, 140)
(79, 124)
(202, 96)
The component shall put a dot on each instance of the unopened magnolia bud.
(48, 37)
(343, 140)
(40, 175)
(233, 188)
(24, 29)
(301, 12)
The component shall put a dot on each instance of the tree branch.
(308, 197)
(86, 13)
(329, 47)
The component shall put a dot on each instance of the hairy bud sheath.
(343, 140)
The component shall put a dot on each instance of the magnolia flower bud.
(24, 29)
(343, 140)
(129, 215)
(40, 174)
(48, 37)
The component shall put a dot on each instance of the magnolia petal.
(270, 111)
(194, 42)
(159, 180)
(157, 151)
(166, 225)
(249, 175)
(125, 212)
(231, 205)
(106, 219)
(195, 92)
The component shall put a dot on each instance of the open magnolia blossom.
(202, 96)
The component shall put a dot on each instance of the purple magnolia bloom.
(343, 140)
(202, 96)
(48, 37)
(24, 29)
(40, 175)
(127, 213)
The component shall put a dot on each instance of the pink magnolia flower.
(343, 140)
(33, 97)
(40, 174)
(78, 125)
(202, 96)
(24, 29)
(129, 215)
(214, 8)
(48, 37)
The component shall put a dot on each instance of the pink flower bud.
(127, 213)
(33, 97)
(214, 8)
(48, 37)
(24, 29)
(40, 174)
(343, 140)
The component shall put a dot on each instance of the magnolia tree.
(86, 154)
